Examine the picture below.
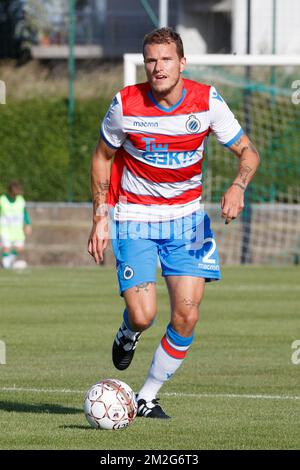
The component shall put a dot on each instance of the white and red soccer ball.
(110, 404)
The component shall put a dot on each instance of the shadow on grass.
(51, 408)
(77, 426)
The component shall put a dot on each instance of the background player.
(14, 224)
(156, 132)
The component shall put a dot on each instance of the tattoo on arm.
(101, 193)
(103, 186)
(144, 286)
(238, 142)
(242, 144)
(248, 155)
(242, 150)
(244, 172)
(239, 150)
(239, 185)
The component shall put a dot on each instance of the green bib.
(12, 218)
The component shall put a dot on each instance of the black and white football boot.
(124, 348)
(151, 409)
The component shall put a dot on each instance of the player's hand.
(98, 239)
(232, 203)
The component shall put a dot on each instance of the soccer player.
(155, 132)
(14, 224)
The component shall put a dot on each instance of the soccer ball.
(110, 404)
(20, 264)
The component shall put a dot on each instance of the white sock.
(12, 258)
(167, 358)
(6, 261)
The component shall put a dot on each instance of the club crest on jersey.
(193, 125)
(128, 273)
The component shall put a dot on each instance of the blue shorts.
(185, 247)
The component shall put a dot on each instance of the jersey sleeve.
(223, 122)
(27, 220)
(111, 129)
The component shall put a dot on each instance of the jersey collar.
(163, 108)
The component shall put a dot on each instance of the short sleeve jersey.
(157, 170)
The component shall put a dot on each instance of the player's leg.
(138, 315)
(136, 267)
(16, 251)
(140, 305)
(6, 259)
(187, 262)
(11, 248)
(186, 294)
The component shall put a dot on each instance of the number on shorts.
(206, 258)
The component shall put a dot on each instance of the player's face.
(163, 67)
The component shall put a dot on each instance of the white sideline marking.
(232, 395)
(167, 394)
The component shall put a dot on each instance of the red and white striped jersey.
(157, 170)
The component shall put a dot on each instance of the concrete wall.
(205, 27)
(286, 26)
(221, 26)
(60, 234)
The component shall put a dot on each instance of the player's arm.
(233, 200)
(100, 178)
(112, 138)
(229, 133)
(27, 223)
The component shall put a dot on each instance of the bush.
(37, 149)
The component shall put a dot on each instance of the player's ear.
(182, 64)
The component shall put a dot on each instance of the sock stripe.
(177, 339)
(177, 354)
(175, 345)
(125, 318)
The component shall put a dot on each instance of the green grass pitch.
(237, 389)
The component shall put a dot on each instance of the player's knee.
(141, 318)
(185, 322)
(140, 324)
